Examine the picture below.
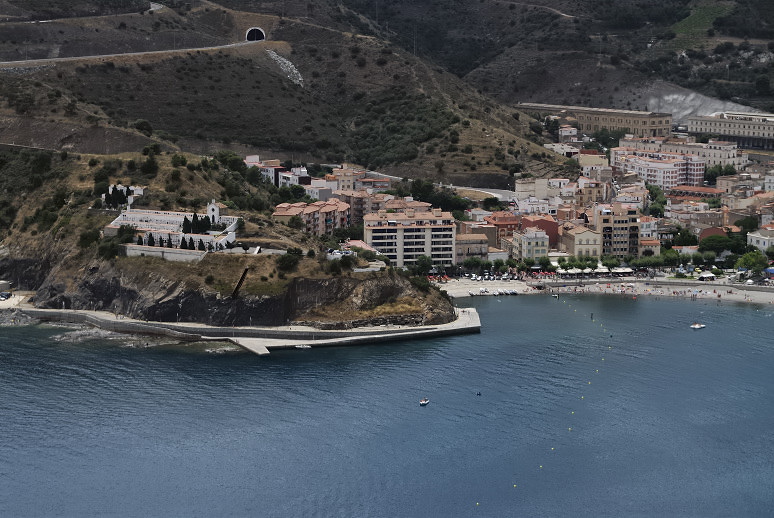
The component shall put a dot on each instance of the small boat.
(424, 401)
(554, 295)
(303, 346)
(697, 325)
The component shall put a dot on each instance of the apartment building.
(748, 130)
(620, 228)
(590, 120)
(320, 218)
(403, 237)
(471, 245)
(579, 241)
(666, 170)
(714, 152)
(530, 243)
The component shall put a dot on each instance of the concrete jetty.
(260, 340)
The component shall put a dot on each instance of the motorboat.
(697, 325)
(424, 401)
(303, 346)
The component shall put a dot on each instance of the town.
(665, 196)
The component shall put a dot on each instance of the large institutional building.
(590, 120)
(749, 130)
(402, 237)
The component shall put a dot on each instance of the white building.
(714, 152)
(157, 225)
(533, 205)
(761, 239)
(403, 237)
(667, 170)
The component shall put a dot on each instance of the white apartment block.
(403, 237)
(715, 152)
(667, 170)
(768, 182)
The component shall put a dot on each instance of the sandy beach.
(718, 291)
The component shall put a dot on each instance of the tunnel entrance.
(255, 34)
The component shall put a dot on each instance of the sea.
(582, 405)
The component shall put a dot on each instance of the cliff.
(168, 294)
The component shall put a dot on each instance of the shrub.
(287, 262)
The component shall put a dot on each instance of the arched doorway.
(255, 34)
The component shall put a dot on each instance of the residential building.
(544, 222)
(590, 120)
(567, 133)
(714, 152)
(471, 245)
(650, 247)
(665, 170)
(620, 229)
(748, 130)
(319, 218)
(565, 150)
(505, 222)
(403, 237)
(579, 241)
(530, 243)
(761, 239)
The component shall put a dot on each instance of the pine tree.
(169, 241)
(139, 240)
(183, 243)
(191, 245)
(151, 241)
(201, 245)
(161, 241)
(186, 225)
(195, 225)
(206, 224)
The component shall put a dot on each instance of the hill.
(310, 93)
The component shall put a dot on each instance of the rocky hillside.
(149, 289)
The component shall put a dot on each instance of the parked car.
(5, 295)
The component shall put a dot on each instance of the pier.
(261, 340)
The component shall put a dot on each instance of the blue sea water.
(674, 422)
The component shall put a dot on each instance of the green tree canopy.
(715, 244)
(754, 261)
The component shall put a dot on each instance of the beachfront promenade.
(720, 290)
(259, 340)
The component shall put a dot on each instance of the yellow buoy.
(570, 428)
(514, 485)
(581, 397)
(597, 371)
(552, 449)
(541, 466)
(573, 412)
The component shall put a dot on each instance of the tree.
(685, 237)
(747, 224)
(201, 245)
(754, 261)
(423, 265)
(715, 244)
(697, 259)
(709, 257)
(191, 244)
(296, 222)
(151, 241)
(770, 252)
(491, 203)
(472, 263)
(186, 225)
(183, 244)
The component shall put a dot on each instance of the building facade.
(403, 237)
(748, 130)
(590, 120)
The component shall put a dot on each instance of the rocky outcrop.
(101, 286)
